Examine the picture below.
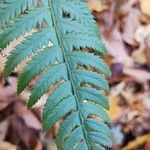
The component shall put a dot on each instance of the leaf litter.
(125, 26)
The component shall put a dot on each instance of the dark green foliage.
(71, 60)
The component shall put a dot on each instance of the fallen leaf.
(137, 142)
(3, 129)
(31, 120)
(115, 45)
(129, 25)
(145, 6)
(21, 135)
(7, 146)
(139, 75)
(114, 108)
(96, 5)
(139, 56)
(147, 49)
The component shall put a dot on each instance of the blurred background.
(125, 27)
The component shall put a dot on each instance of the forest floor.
(125, 27)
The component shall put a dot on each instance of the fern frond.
(84, 76)
(63, 91)
(23, 24)
(13, 9)
(49, 78)
(89, 59)
(49, 55)
(94, 96)
(31, 45)
(63, 29)
(77, 41)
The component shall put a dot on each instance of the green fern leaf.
(93, 96)
(88, 59)
(27, 48)
(78, 41)
(65, 106)
(13, 9)
(84, 76)
(63, 91)
(82, 146)
(64, 131)
(49, 78)
(60, 31)
(75, 137)
(24, 24)
(95, 125)
(49, 55)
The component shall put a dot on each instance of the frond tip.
(64, 30)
